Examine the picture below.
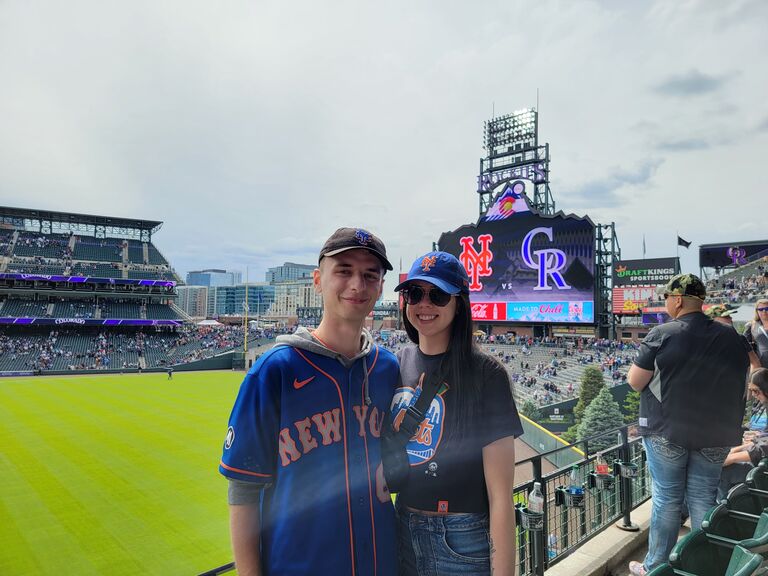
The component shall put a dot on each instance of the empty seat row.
(733, 538)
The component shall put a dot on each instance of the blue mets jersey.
(301, 426)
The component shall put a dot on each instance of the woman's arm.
(736, 456)
(499, 468)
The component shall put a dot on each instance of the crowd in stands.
(43, 241)
(5, 242)
(65, 308)
(51, 254)
(546, 370)
(75, 350)
(746, 288)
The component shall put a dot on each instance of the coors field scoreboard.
(526, 267)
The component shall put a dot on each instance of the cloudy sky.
(254, 129)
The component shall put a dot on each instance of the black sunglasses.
(413, 295)
(762, 309)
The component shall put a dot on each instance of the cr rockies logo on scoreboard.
(527, 267)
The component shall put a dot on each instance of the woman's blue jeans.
(678, 474)
(454, 544)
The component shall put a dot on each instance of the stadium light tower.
(513, 152)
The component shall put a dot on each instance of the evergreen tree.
(591, 385)
(601, 415)
(632, 407)
(571, 434)
(529, 409)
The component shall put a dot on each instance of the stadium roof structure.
(725, 244)
(49, 221)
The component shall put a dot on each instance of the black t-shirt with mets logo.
(446, 473)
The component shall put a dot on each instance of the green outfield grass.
(114, 474)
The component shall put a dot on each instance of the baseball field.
(114, 474)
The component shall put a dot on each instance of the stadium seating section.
(5, 242)
(43, 245)
(552, 373)
(70, 349)
(744, 285)
(25, 252)
(96, 270)
(104, 250)
(18, 308)
(150, 274)
(62, 254)
(114, 309)
(155, 257)
(36, 266)
(74, 309)
(135, 251)
(161, 312)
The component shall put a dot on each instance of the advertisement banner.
(527, 267)
(89, 322)
(630, 300)
(646, 272)
(88, 280)
(573, 332)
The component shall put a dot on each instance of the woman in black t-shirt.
(456, 514)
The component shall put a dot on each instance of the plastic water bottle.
(536, 500)
(600, 466)
(576, 487)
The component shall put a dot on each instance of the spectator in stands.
(756, 333)
(723, 313)
(742, 458)
(690, 372)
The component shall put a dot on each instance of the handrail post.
(539, 555)
(625, 494)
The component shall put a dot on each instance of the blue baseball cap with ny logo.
(441, 269)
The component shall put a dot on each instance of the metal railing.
(568, 521)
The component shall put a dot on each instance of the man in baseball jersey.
(302, 452)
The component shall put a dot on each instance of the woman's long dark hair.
(460, 364)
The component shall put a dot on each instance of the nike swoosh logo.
(300, 384)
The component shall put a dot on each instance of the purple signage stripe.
(88, 280)
(89, 322)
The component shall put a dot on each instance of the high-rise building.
(289, 272)
(230, 300)
(193, 300)
(292, 295)
(214, 277)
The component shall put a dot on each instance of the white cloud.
(254, 129)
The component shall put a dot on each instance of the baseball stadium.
(114, 399)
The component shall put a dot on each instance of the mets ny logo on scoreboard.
(547, 263)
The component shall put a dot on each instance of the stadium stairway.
(181, 313)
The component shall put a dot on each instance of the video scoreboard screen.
(527, 267)
(730, 255)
